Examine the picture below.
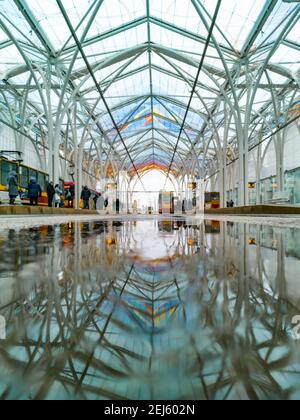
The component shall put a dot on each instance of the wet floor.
(150, 310)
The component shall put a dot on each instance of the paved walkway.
(19, 222)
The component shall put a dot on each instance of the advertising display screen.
(192, 186)
(212, 200)
(166, 202)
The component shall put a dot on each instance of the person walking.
(106, 204)
(85, 196)
(118, 206)
(57, 196)
(71, 196)
(100, 202)
(34, 192)
(13, 190)
(95, 199)
(50, 193)
(135, 207)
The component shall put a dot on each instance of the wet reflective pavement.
(149, 310)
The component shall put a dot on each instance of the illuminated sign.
(111, 186)
(192, 185)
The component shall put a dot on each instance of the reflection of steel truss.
(49, 98)
(108, 328)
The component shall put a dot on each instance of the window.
(23, 173)
(42, 181)
(33, 174)
(6, 169)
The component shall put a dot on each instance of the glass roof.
(144, 56)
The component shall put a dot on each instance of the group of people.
(230, 204)
(54, 193)
(99, 202)
(34, 190)
(57, 197)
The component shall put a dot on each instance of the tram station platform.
(39, 210)
(260, 210)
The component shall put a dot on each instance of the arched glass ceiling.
(144, 55)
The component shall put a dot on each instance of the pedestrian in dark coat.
(71, 196)
(50, 194)
(34, 192)
(13, 188)
(118, 206)
(85, 196)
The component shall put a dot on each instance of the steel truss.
(60, 99)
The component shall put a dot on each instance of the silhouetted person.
(118, 206)
(85, 196)
(72, 191)
(71, 196)
(50, 193)
(95, 199)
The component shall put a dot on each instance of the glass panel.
(292, 185)
(33, 174)
(23, 172)
(42, 181)
(6, 169)
(20, 28)
(9, 57)
(273, 26)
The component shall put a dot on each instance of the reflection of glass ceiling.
(145, 55)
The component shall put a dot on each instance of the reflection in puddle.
(150, 310)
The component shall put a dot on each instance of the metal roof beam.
(92, 74)
(108, 34)
(291, 44)
(110, 61)
(35, 26)
(258, 27)
(5, 44)
(161, 70)
(191, 35)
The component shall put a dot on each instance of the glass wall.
(270, 192)
(42, 180)
(268, 189)
(6, 169)
(292, 185)
(233, 195)
(23, 176)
